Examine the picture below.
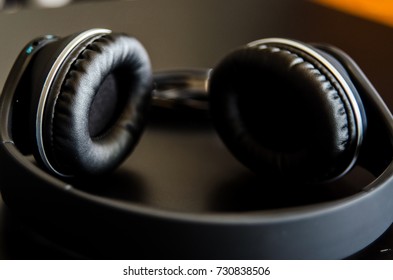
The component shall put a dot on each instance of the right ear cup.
(91, 94)
(285, 111)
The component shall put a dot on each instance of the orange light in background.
(377, 10)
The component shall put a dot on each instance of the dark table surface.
(190, 34)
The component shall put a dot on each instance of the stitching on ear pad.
(95, 112)
(283, 114)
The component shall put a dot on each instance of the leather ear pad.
(282, 113)
(95, 111)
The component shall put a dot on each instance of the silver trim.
(48, 83)
(336, 74)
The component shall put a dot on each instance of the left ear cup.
(285, 111)
(93, 112)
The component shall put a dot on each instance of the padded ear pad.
(95, 110)
(282, 113)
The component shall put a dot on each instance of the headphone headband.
(182, 88)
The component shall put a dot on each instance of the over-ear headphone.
(299, 113)
(89, 93)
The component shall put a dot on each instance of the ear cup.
(284, 114)
(95, 109)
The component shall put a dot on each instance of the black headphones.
(302, 114)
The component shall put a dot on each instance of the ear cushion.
(282, 113)
(95, 111)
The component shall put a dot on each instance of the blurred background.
(377, 10)
(15, 5)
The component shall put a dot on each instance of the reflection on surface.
(15, 5)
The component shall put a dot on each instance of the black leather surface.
(282, 112)
(112, 67)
